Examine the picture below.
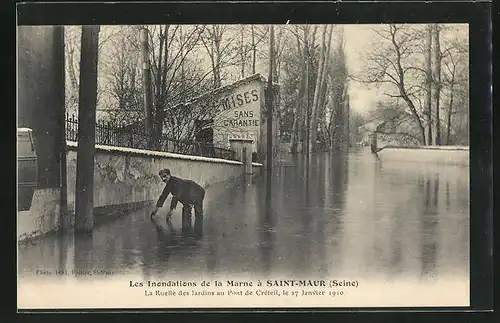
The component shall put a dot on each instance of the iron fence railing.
(110, 134)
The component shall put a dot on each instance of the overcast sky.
(358, 39)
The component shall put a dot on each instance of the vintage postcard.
(237, 165)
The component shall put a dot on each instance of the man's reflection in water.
(170, 243)
(429, 223)
(155, 258)
(187, 228)
(187, 225)
(198, 227)
(166, 239)
(166, 234)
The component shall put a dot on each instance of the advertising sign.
(239, 114)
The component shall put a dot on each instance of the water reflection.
(341, 213)
(266, 225)
(429, 223)
(84, 254)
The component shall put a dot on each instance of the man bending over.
(185, 191)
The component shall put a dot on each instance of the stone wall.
(449, 155)
(42, 217)
(124, 179)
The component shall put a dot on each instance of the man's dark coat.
(188, 192)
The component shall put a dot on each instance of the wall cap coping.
(152, 153)
(241, 139)
(442, 148)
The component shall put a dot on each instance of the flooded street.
(342, 215)
(106, 112)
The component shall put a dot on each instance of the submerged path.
(342, 214)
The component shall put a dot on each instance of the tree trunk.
(160, 85)
(437, 82)
(217, 42)
(293, 139)
(428, 82)
(270, 107)
(310, 47)
(84, 203)
(333, 117)
(347, 120)
(323, 87)
(448, 126)
(73, 88)
(401, 85)
(297, 115)
(242, 52)
(305, 140)
(157, 101)
(313, 124)
(148, 109)
(183, 74)
(254, 49)
(322, 114)
(450, 108)
(299, 108)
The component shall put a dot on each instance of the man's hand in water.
(153, 213)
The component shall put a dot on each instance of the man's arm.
(163, 196)
(175, 198)
(161, 200)
(173, 204)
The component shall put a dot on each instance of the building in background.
(237, 110)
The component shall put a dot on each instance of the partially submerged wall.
(449, 155)
(124, 179)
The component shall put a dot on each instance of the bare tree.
(437, 81)
(322, 135)
(168, 60)
(173, 80)
(248, 53)
(72, 53)
(279, 45)
(317, 107)
(394, 65)
(451, 66)
(310, 47)
(255, 42)
(337, 103)
(72, 61)
(357, 120)
(313, 126)
(298, 114)
(243, 51)
(218, 49)
(123, 76)
(428, 81)
(454, 83)
(394, 124)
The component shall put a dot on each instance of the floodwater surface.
(344, 214)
